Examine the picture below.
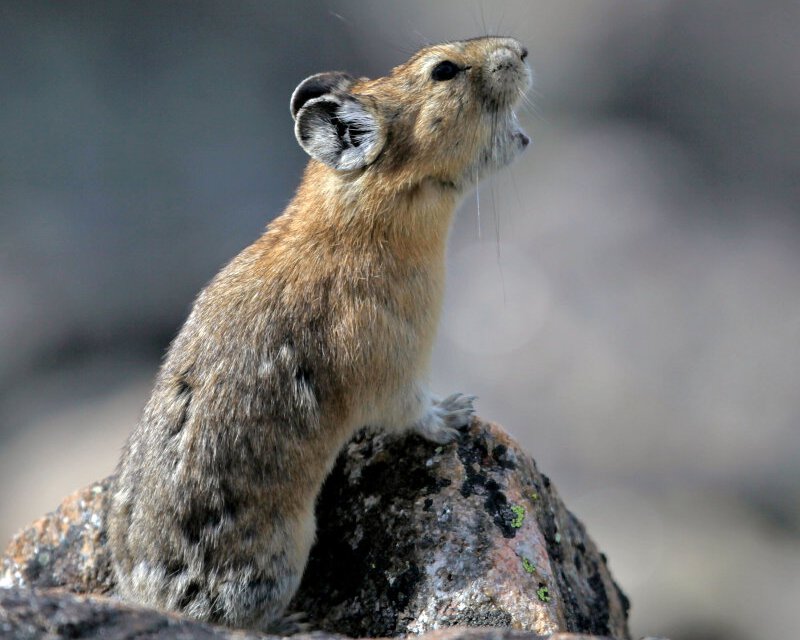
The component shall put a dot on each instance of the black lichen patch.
(473, 482)
(404, 585)
(500, 455)
(478, 467)
(473, 454)
(549, 527)
(497, 506)
(600, 607)
(409, 483)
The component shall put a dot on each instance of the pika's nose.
(506, 72)
(504, 58)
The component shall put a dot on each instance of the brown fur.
(323, 325)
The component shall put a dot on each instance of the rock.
(411, 537)
(27, 613)
(65, 548)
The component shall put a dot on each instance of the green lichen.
(558, 537)
(534, 496)
(528, 565)
(543, 594)
(519, 516)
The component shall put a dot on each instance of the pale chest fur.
(395, 326)
(379, 284)
(397, 291)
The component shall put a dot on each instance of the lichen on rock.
(412, 537)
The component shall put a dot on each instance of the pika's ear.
(333, 126)
(318, 85)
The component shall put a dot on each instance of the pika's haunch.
(323, 325)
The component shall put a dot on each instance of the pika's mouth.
(518, 134)
(507, 78)
(506, 141)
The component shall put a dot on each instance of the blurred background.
(625, 299)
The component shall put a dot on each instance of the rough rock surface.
(411, 537)
(66, 548)
(26, 614)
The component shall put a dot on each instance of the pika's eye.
(445, 70)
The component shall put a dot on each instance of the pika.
(324, 325)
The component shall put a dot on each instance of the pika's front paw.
(456, 409)
(445, 417)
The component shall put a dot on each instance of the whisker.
(501, 18)
(496, 218)
(424, 42)
(512, 173)
(532, 107)
(478, 201)
(339, 17)
(497, 242)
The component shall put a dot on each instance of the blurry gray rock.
(412, 537)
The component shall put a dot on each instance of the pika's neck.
(374, 212)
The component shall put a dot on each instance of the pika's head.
(447, 114)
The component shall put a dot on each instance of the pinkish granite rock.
(412, 537)
(65, 548)
(26, 614)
